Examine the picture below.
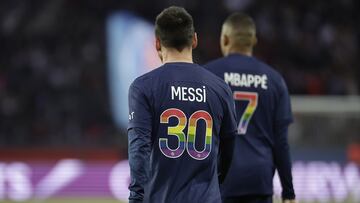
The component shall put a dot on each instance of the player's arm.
(139, 136)
(283, 162)
(139, 153)
(226, 149)
(227, 135)
(283, 117)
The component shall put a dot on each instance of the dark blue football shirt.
(263, 115)
(179, 115)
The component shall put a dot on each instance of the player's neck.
(240, 50)
(173, 55)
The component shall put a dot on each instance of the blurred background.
(65, 67)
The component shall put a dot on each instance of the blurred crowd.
(53, 84)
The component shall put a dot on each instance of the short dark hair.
(243, 27)
(240, 20)
(174, 27)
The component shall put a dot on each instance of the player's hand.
(289, 201)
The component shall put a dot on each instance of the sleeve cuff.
(289, 196)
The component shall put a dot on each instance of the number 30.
(178, 131)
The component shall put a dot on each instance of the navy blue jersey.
(180, 113)
(263, 115)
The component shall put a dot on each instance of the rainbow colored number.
(194, 118)
(178, 131)
(175, 131)
(252, 97)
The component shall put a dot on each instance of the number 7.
(252, 97)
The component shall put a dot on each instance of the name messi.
(246, 80)
(188, 94)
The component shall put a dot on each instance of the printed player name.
(188, 94)
(246, 80)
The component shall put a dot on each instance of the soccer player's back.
(177, 114)
(263, 115)
(188, 102)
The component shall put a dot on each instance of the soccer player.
(181, 119)
(263, 115)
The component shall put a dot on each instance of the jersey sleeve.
(228, 124)
(139, 108)
(282, 156)
(227, 135)
(283, 114)
(139, 138)
(282, 161)
(139, 155)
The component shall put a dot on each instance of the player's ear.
(226, 40)
(194, 41)
(157, 44)
(158, 48)
(255, 40)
